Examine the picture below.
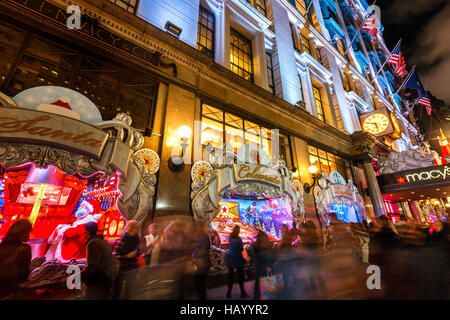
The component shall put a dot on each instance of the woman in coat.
(235, 261)
(15, 258)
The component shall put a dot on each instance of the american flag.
(414, 83)
(398, 60)
(425, 101)
(371, 25)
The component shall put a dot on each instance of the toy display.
(267, 215)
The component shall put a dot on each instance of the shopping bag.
(269, 285)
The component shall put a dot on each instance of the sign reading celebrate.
(256, 172)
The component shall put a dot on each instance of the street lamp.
(313, 170)
(316, 176)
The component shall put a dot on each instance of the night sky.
(424, 26)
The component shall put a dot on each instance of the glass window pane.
(234, 137)
(322, 154)
(312, 150)
(212, 133)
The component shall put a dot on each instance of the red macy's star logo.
(225, 209)
(401, 180)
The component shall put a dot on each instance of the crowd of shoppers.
(307, 263)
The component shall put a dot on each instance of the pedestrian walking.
(98, 274)
(127, 254)
(15, 258)
(201, 258)
(235, 261)
(264, 260)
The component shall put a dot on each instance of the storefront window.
(319, 103)
(219, 127)
(107, 85)
(327, 162)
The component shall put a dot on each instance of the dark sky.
(424, 26)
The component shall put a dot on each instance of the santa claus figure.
(445, 148)
(68, 241)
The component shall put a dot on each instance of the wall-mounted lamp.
(316, 176)
(176, 162)
(313, 170)
(173, 29)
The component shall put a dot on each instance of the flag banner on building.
(371, 26)
(414, 83)
(398, 60)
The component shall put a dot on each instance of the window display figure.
(68, 241)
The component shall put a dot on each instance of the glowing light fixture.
(176, 162)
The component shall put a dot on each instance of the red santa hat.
(61, 107)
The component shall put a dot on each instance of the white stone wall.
(182, 13)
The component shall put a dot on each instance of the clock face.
(376, 123)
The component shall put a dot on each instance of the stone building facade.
(245, 67)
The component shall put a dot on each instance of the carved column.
(374, 188)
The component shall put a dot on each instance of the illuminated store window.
(320, 55)
(129, 5)
(347, 82)
(219, 127)
(319, 103)
(259, 5)
(113, 89)
(270, 72)
(300, 5)
(205, 35)
(241, 55)
(306, 44)
(327, 162)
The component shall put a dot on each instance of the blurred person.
(175, 253)
(149, 243)
(383, 246)
(437, 258)
(343, 263)
(409, 268)
(264, 259)
(288, 259)
(127, 253)
(98, 274)
(201, 257)
(15, 258)
(310, 242)
(235, 261)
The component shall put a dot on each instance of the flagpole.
(387, 59)
(309, 7)
(406, 80)
(359, 30)
(411, 109)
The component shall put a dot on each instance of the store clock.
(377, 123)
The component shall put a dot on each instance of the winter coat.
(234, 258)
(15, 259)
(99, 267)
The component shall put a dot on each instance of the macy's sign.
(429, 175)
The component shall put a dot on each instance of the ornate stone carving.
(136, 183)
(405, 160)
(208, 191)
